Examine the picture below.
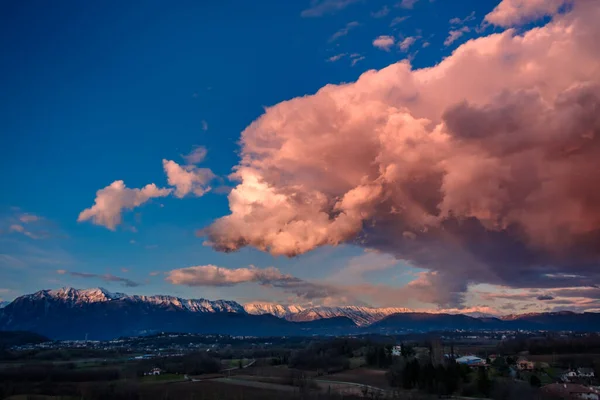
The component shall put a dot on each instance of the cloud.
(356, 59)
(30, 225)
(359, 266)
(196, 156)
(408, 4)
(518, 12)
(456, 34)
(318, 8)
(458, 21)
(28, 218)
(398, 20)
(188, 178)
(204, 125)
(405, 44)
(545, 297)
(381, 13)
(489, 159)
(105, 277)
(113, 199)
(336, 57)
(211, 275)
(384, 42)
(16, 228)
(344, 31)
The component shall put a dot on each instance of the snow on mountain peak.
(278, 310)
(360, 315)
(93, 295)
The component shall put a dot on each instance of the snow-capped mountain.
(278, 310)
(4, 303)
(359, 315)
(72, 297)
(99, 314)
(75, 296)
(193, 305)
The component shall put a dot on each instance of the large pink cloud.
(517, 12)
(482, 168)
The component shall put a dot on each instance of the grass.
(357, 362)
(38, 397)
(162, 378)
(234, 362)
(362, 376)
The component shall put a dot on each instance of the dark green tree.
(535, 381)
(484, 384)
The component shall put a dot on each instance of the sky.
(428, 154)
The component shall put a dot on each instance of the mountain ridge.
(69, 313)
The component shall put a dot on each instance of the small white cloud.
(381, 13)
(344, 31)
(318, 8)
(458, 21)
(455, 34)
(27, 218)
(357, 59)
(408, 4)
(405, 44)
(398, 20)
(204, 125)
(196, 156)
(336, 57)
(116, 197)
(384, 42)
(188, 178)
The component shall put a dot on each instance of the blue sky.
(95, 92)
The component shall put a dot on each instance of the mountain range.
(99, 314)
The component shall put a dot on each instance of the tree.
(407, 351)
(483, 382)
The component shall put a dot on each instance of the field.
(363, 376)
(162, 378)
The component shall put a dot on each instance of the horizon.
(469, 313)
(410, 154)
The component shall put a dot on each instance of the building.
(571, 391)
(580, 373)
(397, 351)
(585, 372)
(471, 361)
(154, 371)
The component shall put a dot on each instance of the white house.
(397, 351)
(471, 360)
(585, 372)
(154, 371)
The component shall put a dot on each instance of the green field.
(162, 378)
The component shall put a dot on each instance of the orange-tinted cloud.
(518, 12)
(113, 199)
(483, 168)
